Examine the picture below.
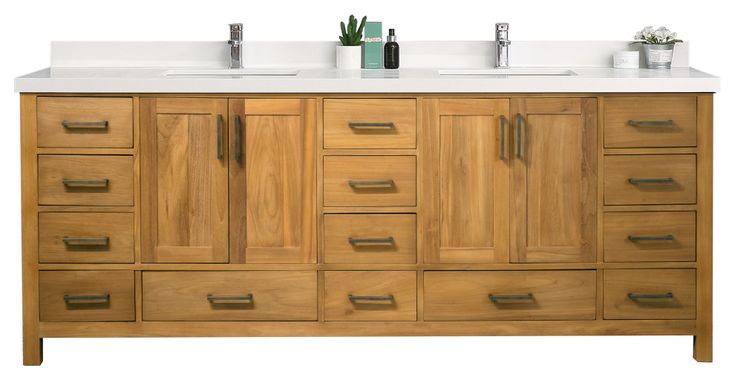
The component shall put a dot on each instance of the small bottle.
(390, 51)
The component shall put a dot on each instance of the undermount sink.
(232, 73)
(529, 72)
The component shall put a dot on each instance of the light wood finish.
(339, 113)
(118, 285)
(340, 170)
(401, 285)
(397, 231)
(555, 295)
(53, 170)
(184, 296)
(681, 110)
(55, 227)
(185, 197)
(620, 283)
(53, 112)
(682, 169)
(619, 227)
(554, 177)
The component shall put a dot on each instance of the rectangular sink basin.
(529, 72)
(234, 73)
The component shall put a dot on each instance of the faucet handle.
(235, 34)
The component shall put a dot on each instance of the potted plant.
(349, 53)
(658, 46)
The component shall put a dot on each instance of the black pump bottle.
(390, 51)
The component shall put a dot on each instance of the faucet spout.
(502, 44)
(235, 43)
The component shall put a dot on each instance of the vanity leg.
(32, 350)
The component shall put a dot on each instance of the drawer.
(369, 181)
(370, 296)
(654, 179)
(369, 123)
(370, 238)
(67, 122)
(650, 236)
(650, 293)
(229, 296)
(658, 121)
(509, 295)
(85, 237)
(70, 296)
(85, 180)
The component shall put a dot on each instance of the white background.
(27, 27)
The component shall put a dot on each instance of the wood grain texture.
(339, 113)
(681, 168)
(53, 170)
(339, 228)
(53, 227)
(682, 110)
(340, 170)
(401, 285)
(118, 285)
(619, 283)
(619, 226)
(53, 111)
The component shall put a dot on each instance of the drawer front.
(85, 237)
(369, 181)
(70, 296)
(85, 180)
(370, 238)
(655, 179)
(650, 236)
(632, 122)
(509, 295)
(650, 293)
(369, 123)
(85, 122)
(230, 296)
(370, 296)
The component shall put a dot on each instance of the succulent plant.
(352, 34)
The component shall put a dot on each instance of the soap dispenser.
(390, 51)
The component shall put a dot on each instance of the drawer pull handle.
(378, 183)
(519, 134)
(238, 138)
(354, 298)
(86, 241)
(383, 241)
(643, 181)
(502, 137)
(98, 298)
(231, 299)
(219, 137)
(650, 296)
(653, 123)
(519, 297)
(372, 125)
(86, 124)
(76, 183)
(637, 238)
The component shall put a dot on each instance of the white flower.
(660, 35)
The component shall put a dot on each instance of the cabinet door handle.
(382, 241)
(230, 299)
(652, 123)
(643, 181)
(96, 298)
(502, 137)
(377, 183)
(637, 238)
(519, 133)
(511, 297)
(82, 183)
(238, 138)
(86, 241)
(219, 137)
(388, 125)
(650, 296)
(104, 124)
(354, 298)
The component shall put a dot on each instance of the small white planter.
(349, 57)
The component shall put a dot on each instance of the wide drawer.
(370, 296)
(509, 295)
(85, 180)
(369, 123)
(650, 293)
(68, 296)
(369, 181)
(652, 179)
(85, 122)
(85, 237)
(230, 296)
(652, 121)
(370, 238)
(650, 236)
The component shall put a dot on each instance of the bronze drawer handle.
(230, 299)
(502, 137)
(637, 238)
(85, 124)
(96, 298)
(354, 298)
(378, 183)
(652, 123)
(82, 183)
(513, 297)
(382, 241)
(389, 125)
(86, 241)
(220, 140)
(650, 296)
(238, 138)
(519, 135)
(644, 181)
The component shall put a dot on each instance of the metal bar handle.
(513, 297)
(86, 241)
(386, 240)
(245, 297)
(650, 296)
(643, 181)
(651, 123)
(637, 238)
(502, 137)
(519, 134)
(104, 124)
(238, 138)
(378, 183)
(97, 298)
(389, 125)
(354, 298)
(86, 182)
(219, 137)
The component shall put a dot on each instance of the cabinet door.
(466, 207)
(554, 169)
(184, 180)
(272, 180)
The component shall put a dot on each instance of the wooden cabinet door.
(553, 186)
(184, 180)
(272, 180)
(466, 177)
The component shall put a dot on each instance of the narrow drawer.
(370, 296)
(67, 122)
(229, 296)
(650, 293)
(658, 121)
(654, 179)
(85, 180)
(370, 238)
(509, 295)
(369, 181)
(85, 237)
(369, 123)
(650, 236)
(71, 296)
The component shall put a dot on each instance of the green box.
(372, 48)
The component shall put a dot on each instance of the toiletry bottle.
(390, 51)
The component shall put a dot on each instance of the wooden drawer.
(229, 296)
(85, 122)
(369, 123)
(85, 180)
(650, 236)
(509, 295)
(369, 181)
(370, 296)
(651, 121)
(653, 179)
(370, 238)
(650, 293)
(86, 296)
(85, 237)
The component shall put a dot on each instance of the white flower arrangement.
(660, 36)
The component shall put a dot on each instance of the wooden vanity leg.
(32, 350)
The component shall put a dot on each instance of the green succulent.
(352, 34)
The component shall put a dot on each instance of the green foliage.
(352, 34)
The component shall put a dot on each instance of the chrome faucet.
(501, 45)
(235, 43)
